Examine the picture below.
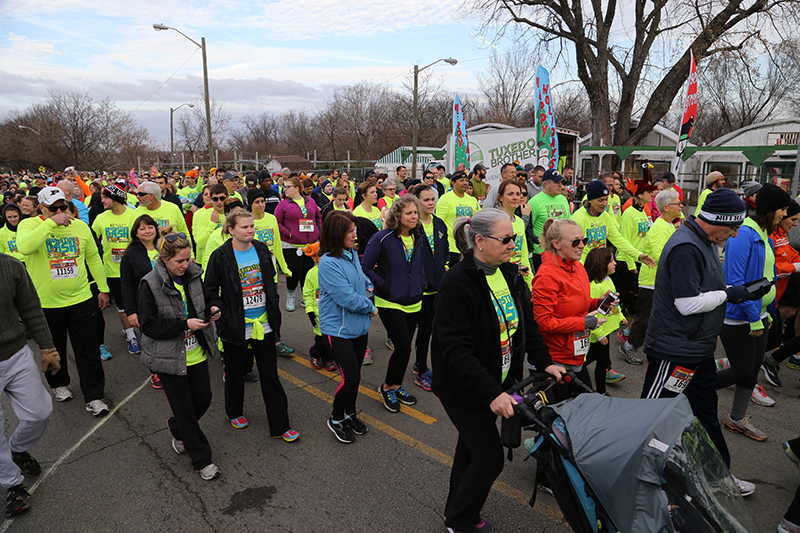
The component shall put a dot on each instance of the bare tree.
(192, 131)
(258, 133)
(649, 52)
(508, 86)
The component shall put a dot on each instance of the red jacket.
(561, 299)
(785, 258)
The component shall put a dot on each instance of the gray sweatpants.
(21, 381)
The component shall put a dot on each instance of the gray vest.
(670, 335)
(168, 356)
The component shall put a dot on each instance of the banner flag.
(546, 137)
(460, 138)
(689, 116)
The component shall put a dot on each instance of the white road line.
(69, 452)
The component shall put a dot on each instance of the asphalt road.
(120, 473)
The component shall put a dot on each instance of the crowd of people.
(491, 281)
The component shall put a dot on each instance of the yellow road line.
(410, 411)
(548, 511)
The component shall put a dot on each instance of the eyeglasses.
(676, 203)
(504, 240)
(577, 242)
(172, 237)
(54, 208)
(390, 189)
(218, 198)
(141, 194)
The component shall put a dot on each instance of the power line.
(165, 81)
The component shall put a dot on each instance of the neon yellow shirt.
(167, 214)
(614, 317)
(600, 229)
(544, 206)
(194, 351)
(701, 200)
(202, 227)
(450, 208)
(311, 294)
(114, 232)
(153, 255)
(614, 207)
(657, 238)
(507, 316)
(519, 256)
(268, 232)
(373, 216)
(57, 258)
(408, 245)
(634, 228)
(8, 243)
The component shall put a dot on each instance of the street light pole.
(202, 46)
(171, 142)
(415, 122)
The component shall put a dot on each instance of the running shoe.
(760, 396)
(483, 527)
(133, 346)
(62, 394)
(316, 362)
(621, 336)
(424, 380)
(97, 408)
(529, 444)
(790, 454)
(302, 302)
(344, 433)
(771, 373)
(389, 399)
(367, 358)
(745, 487)
(629, 355)
(155, 381)
(744, 427)
(209, 472)
(330, 366)
(290, 303)
(251, 377)
(105, 355)
(17, 501)
(722, 364)
(239, 422)
(356, 425)
(177, 445)
(26, 463)
(612, 376)
(788, 527)
(282, 349)
(793, 363)
(289, 435)
(390, 345)
(404, 397)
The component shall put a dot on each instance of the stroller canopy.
(621, 446)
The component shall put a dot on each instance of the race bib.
(116, 255)
(679, 379)
(505, 350)
(306, 225)
(581, 343)
(190, 340)
(63, 269)
(253, 298)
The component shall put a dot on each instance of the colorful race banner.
(689, 116)
(460, 138)
(546, 138)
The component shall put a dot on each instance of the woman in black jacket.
(138, 260)
(241, 281)
(482, 328)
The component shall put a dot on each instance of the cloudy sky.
(263, 56)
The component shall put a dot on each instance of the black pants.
(100, 321)
(348, 354)
(599, 353)
(745, 353)
(793, 512)
(477, 463)
(424, 329)
(189, 397)
(320, 349)
(701, 393)
(80, 322)
(236, 359)
(400, 327)
(627, 284)
(644, 304)
(299, 265)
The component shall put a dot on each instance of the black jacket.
(225, 291)
(134, 266)
(365, 229)
(465, 350)
(434, 262)
(173, 199)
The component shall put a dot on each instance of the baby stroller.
(617, 464)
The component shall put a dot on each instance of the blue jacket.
(434, 262)
(396, 279)
(344, 302)
(744, 261)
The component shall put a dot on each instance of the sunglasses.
(54, 208)
(218, 198)
(172, 237)
(504, 240)
(577, 242)
(141, 194)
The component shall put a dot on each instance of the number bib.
(63, 269)
(581, 343)
(679, 379)
(253, 298)
(505, 350)
(306, 225)
(116, 255)
(190, 340)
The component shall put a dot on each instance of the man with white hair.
(164, 213)
(69, 193)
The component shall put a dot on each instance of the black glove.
(313, 318)
(739, 293)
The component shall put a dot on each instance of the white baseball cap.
(50, 195)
